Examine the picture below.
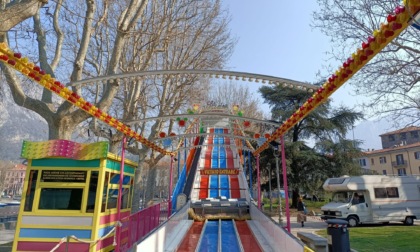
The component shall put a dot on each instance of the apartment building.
(405, 136)
(400, 154)
(14, 179)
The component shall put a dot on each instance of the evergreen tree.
(332, 155)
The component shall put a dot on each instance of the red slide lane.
(249, 243)
(235, 193)
(209, 149)
(207, 158)
(204, 185)
(192, 237)
(229, 158)
(227, 139)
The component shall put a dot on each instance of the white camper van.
(373, 199)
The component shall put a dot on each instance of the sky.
(275, 38)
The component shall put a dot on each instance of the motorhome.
(373, 199)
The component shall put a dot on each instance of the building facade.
(14, 180)
(405, 136)
(400, 154)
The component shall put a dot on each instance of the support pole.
(120, 190)
(179, 162)
(286, 189)
(276, 154)
(250, 174)
(170, 187)
(258, 182)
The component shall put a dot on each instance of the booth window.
(112, 199)
(30, 192)
(61, 199)
(93, 184)
(125, 198)
(114, 180)
(105, 192)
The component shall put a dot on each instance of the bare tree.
(391, 79)
(79, 27)
(79, 39)
(15, 12)
(233, 94)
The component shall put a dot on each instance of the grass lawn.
(310, 205)
(386, 238)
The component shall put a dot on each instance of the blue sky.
(275, 38)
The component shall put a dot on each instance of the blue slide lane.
(218, 160)
(222, 158)
(214, 192)
(224, 183)
(229, 240)
(224, 179)
(210, 237)
(215, 155)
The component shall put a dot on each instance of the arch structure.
(399, 20)
(231, 75)
(207, 115)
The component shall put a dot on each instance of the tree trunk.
(138, 185)
(295, 196)
(15, 13)
(151, 184)
(60, 128)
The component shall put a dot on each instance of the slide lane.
(229, 158)
(214, 185)
(228, 235)
(192, 237)
(204, 180)
(209, 240)
(235, 193)
(218, 157)
(249, 243)
(204, 184)
(224, 185)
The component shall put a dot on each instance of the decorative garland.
(397, 22)
(35, 73)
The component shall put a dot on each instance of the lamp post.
(170, 187)
(278, 186)
(286, 189)
(258, 182)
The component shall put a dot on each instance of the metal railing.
(138, 225)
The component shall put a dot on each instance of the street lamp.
(275, 147)
(278, 187)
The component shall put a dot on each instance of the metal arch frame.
(204, 134)
(212, 145)
(211, 73)
(201, 116)
(205, 116)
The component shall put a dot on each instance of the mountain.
(18, 124)
(369, 131)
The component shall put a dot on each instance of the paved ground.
(6, 236)
(6, 239)
(312, 224)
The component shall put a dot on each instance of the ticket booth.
(70, 197)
